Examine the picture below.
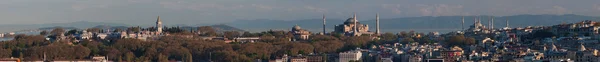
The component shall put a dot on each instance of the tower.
(490, 23)
(356, 33)
(507, 24)
(377, 32)
(324, 31)
(159, 25)
(492, 27)
(463, 23)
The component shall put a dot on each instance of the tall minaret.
(507, 24)
(492, 27)
(490, 23)
(159, 25)
(324, 31)
(355, 24)
(377, 23)
(463, 23)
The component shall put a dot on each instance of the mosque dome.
(350, 20)
(296, 27)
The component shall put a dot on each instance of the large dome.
(350, 20)
(296, 27)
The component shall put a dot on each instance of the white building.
(350, 56)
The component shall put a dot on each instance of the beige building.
(352, 27)
(299, 33)
(349, 56)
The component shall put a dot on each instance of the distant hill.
(218, 28)
(421, 24)
(79, 25)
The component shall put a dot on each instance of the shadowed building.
(299, 33)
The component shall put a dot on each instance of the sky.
(143, 12)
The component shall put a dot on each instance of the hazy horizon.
(191, 12)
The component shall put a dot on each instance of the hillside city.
(349, 41)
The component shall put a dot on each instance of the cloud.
(596, 7)
(395, 8)
(82, 5)
(261, 7)
(558, 10)
(315, 9)
(439, 9)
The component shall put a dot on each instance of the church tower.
(159, 26)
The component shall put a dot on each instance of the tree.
(81, 52)
(118, 30)
(162, 58)
(6, 53)
(44, 33)
(389, 36)
(94, 30)
(72, 32)
(231, 34)
(57, 31)
(408, 40)
(460, 40)
(134, 29)
(129, 57)
(207, 31)
(327, 46)
(257, 50)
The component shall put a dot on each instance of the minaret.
(490, 23)
(463, 23)
(324, 31)
(159, 25)
(355, 25)
(492, 27)
(507, 24)
(377, 32)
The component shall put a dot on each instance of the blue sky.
(142, 12)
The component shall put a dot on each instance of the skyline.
(140, 12)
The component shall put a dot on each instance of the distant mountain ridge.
(78, 24)
(394, 25)
(420, 24)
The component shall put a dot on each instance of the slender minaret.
(159, 25)
(490, 23)
(377, 23)
(507, 24)
(463, 23)
(324, 31)
(355, 24)
(492, 27)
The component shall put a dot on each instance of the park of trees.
(174, 48)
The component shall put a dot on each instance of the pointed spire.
(377, 23)
(463, 23)
(355, 24)
(324, 30)
(507, 26)
(354, 17)
(490, 23)
(492, 27)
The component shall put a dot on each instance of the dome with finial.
(350, 20)
(296, 27)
